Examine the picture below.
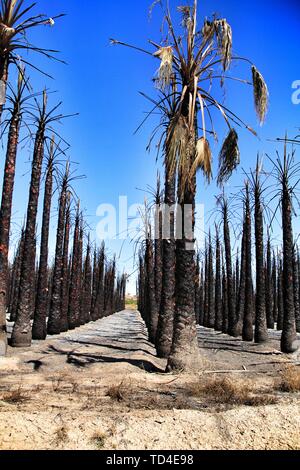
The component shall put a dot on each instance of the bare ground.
(102, 387)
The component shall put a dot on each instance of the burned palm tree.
(242, 285)
(21, 336)
(85, 306)
(16, 114)
(194, 65)
(54, 322)
(269, 301)
(248, 306)
(16, 20)
(64, 300)
(218, 285)
(44, 120)
(285, 171)
(74, 303)
(39, 328)
(223, 203)
(261, 332)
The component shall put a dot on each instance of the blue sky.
(102, 82)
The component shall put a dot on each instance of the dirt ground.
(102, 387)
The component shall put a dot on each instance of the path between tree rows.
(101, 386)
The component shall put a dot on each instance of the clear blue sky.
(102, 83)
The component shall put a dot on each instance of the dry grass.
(61, 435)
(15, 396)
(98, 439)
(229, 391)
(117, 392)
(290, 380)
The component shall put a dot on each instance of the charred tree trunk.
(289, 336)
(248, 306)
(153, 310)
(86, 297)
(218, 286)
(65, 270)
(73, 313)
(166, 314)
(39, 328)
(54, 322)
(261, 333)
(21, 335)
(5, 214)
(230, 287)
(242, 285)
(269, 293)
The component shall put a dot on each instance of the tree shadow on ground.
(111, 346)
(83, 359)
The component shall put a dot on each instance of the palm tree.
(16, 20)
(14, 123)
(21, 335)
(248, 306)
(261, 332)
(192, 66)
(218, 285)
(39, 328)
(64, 299)
(285, 171)
(54, 322)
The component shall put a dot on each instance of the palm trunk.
(21, 335)
(54, 322)
(185, 349)
(4, 64)
(289, 336)
(39, 329)
(261, 333)
(280, 296)
(5, 215)
(153, 309)
(224, 300)
(65, 271)
(248, 307)
(269, 295)
(166, 316)
(73, 313)
(241, 288)
(218, 286)
(230, 287)
(274, 291)
(211, 306)
(87, 286)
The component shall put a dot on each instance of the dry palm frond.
(229, 157)
(261, 94)
(203, 159)
(165, 71)
(187, 21)
(208, 29)
(176, 143)
(224, 36)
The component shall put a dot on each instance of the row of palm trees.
(192, 58)
(227, 296)
(72, 292)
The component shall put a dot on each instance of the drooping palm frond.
(165, 71)
(203, 159)
(229, 157)
(261, 94)
(224, 37)
(15, 20)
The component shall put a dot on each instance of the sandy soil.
(102, 387)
